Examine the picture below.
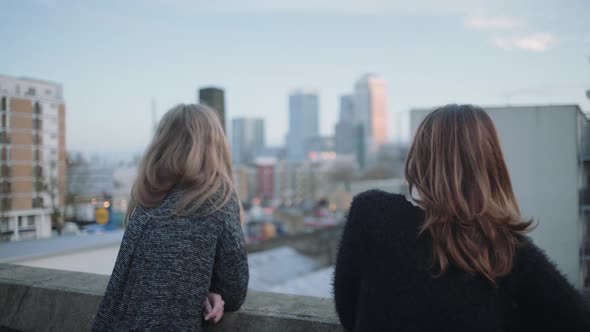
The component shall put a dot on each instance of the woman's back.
(163, 271)
(459, 262)
(183, 253)
(384, 281)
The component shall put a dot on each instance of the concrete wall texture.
(35, 299)
(541, 146)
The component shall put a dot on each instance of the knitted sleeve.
(230, 270)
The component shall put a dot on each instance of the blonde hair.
(457, 166)
(189, 151)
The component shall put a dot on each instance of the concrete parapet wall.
(35, 299)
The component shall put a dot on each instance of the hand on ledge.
(213, 308)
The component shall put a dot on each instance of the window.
(31, 221)
(6, 187)
(37, 124)
(20, 221)
(38, 202)
(38, 171)
(37, 139)
(48, 92)
(4, 225)
(39, 186)
(5, 171)
(3, 104)
(31, 92)
(4, 154)
(5, 203)
(37, 108)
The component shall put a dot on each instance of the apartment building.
(33, 162)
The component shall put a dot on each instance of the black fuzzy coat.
(384, 281)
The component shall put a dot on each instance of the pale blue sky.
(114, 57)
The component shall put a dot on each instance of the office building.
(349, 134)
(33, 163)
(214, 98)
(347, 109)
(370, 110)
(303, 123)
(247, 139)
(543, 150)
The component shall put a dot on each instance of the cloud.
(539, 42)
(491, 23)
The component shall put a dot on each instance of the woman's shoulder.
(383, 201)
(378, 206)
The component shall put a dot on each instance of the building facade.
(542, 147)
(246, 182)
(370, 110)
(349, 133)
(265, 175)
(214, 98)
(303, 123)
(247, 139)
(346, 113)
(32, 139)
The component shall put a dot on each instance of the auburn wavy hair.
(189, 151)
(457, 167)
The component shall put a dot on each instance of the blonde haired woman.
(182, 259)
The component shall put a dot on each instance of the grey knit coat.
(167, 265)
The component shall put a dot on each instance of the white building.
(370, 109)
(542, 147)
(33, 163)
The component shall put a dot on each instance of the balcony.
(36, 299)
(584, 198)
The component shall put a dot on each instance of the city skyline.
(483, 52)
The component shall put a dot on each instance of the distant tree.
(4, 205)
(51, 187)
(78, 180)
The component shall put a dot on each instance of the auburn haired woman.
(456, 259)
(182, 259)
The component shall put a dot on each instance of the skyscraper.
(247, 138)
(33, 163)
(347, 109)
(303, 122)
(214, 98)
(370, 110)
(349, 132)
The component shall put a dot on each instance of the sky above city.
(114, 57)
